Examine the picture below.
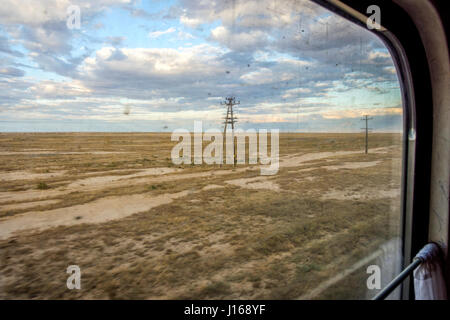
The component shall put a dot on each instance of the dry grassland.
(140, 227)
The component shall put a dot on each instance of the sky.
(138, 65)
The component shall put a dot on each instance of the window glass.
(119, 180)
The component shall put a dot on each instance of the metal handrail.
(398, 279)
(428, 252)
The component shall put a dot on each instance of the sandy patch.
(352, 165)
(307, 169)
(27, 205)
(103, 180)
(100, 184)
(28, 175)
(31, 195)
(366, 194)
(161, 178)
(345, 165)
(56, 153)
(212, 186)
(255, 183)
(297, 160)
(102, 210)
(383, 150)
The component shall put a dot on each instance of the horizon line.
(268, 131)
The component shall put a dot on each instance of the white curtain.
(429, 283)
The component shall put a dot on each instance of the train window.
(196, 150)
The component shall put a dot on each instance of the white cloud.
(262, 76)
(32, 12)
(55, 90)
(184, 35)
(242, 41)
(390, 69)
(359, 112)
(262, 52)
(190, 22)
(146, 69)
(157, 34)
(295, 92)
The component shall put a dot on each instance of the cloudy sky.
(292, 64)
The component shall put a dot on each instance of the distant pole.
(366, 118)
(230, 119)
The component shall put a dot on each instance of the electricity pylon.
(230, 119)
(366, 118)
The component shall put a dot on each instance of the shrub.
(42, 186)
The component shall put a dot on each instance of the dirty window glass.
(196, 150)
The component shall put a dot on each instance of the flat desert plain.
(140, 227)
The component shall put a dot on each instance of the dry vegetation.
(194, 232)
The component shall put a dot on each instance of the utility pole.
(366, 118)
(230, 119)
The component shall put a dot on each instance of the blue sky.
(292, 64)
